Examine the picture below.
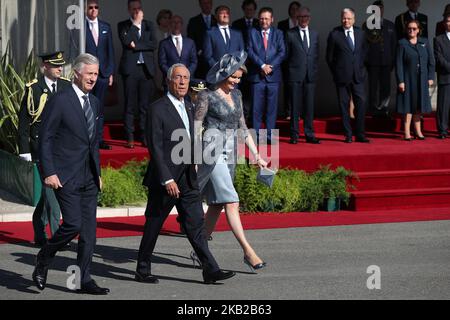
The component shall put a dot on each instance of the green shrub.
(123, 186)
(292, 191)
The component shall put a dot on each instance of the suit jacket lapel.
(78, 109)
(173, 112)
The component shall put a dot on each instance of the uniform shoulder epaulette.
(29, 84)
(66, 79)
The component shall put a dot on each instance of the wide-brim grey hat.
(228, 64)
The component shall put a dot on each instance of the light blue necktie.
(141, 56)
(184, 117)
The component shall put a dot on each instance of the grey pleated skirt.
(219, 188)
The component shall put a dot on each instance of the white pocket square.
(104, 32)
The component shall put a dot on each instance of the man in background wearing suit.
(244, 25)
(382, 46)
(346, 55)
(172, 184)
(401, 21)
(442, 55)
(177, 49)
(221, 39)
(99, 43)
(70, 165)
(248, 21)
(137, 67)
(302, 56)
(285, 25)
(37, 93)
(196, 30)
(266, 51)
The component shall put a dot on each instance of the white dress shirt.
(49, 84)
(352, 34)
(224, 29)
(93, 24)
(180, 39)
(307, 35)
(80, 95)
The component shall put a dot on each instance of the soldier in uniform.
(37, 93)
(382, 45)
(402, 20)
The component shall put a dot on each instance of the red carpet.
(133, 226)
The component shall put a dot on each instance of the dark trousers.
(78, 202)
(100, 90)
(379, 87)
(301, 95)
(190, 211)
(443, 106)
(139, 91)
(47, 212)
(357, 91)
(265, 101)
(286, 92)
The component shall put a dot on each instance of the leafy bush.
(123, 186)
(12, 85)
(292, 191)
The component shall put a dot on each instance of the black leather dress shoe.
(293, 141)
(40, 274)
(147, 278)
(313, 140)
(362, 140)
(210, 278)
(92, 288)
(130, 144)
(348, 140)
(104, 146)
(442, 136)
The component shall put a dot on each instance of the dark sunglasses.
(93, 7)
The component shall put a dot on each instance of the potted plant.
(19, 177)
(335, 185)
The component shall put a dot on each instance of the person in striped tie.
(70, 165)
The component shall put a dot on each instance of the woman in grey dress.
(415, 74)
(219, 120)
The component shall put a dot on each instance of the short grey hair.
(173, 67)
(348, 10)
(84, 59)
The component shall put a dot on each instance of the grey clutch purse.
(266, 176)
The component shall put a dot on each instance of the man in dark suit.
(302, 56)
(442, 55)
(70, 165)
(173, 182)
(285, 25)
(346, 55)
(248, 21)
(196, 30)
(221, 39)
(37, 93)
(99, 43)
(177, 49)
(382, 45)
(137, 67)
(244, 25)
(401, 21)
(266, 51)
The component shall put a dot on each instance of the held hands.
(430, 83)
(267, 69)
(402, 87)
(172, 190)
(111, 80)
(53, 182)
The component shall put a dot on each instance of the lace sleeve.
(201, 109)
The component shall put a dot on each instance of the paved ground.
(304, 263)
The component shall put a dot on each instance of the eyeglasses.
(413, 29)
(93, 7)
(301, 17)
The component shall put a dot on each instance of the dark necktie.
(305, 41)
(350, 41)
(89, 115)
(249, 24)
(227, 38)
(53, 87)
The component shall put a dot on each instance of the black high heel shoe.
(195, 260)
(255, 267)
